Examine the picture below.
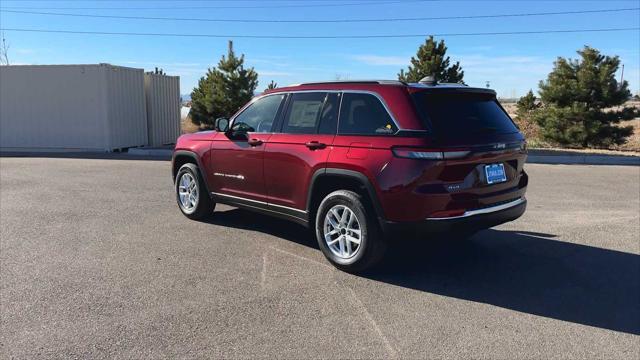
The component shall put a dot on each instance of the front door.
(237, 156)
(299, 147)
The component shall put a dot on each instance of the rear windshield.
(463, 114)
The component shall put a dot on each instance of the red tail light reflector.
(429, 154)
(447, 213)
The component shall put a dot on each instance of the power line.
(196, 7)
(213, 1)
(460, 17)
(246, 1)
(319, 36)
(320, 3)
(273, 1)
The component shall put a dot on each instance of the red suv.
(359, 160)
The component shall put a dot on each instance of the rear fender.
(358, 177)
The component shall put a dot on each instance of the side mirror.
(222, 124)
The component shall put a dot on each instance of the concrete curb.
(151, 152)
(85, 155)
(568, 158)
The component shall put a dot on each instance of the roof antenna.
(429, 80)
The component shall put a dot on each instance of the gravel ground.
(97, 261)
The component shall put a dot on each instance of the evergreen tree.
(575, 96)
(430, 60)
(223, 90)
(272, 85)
(525, 107)
(527, 104)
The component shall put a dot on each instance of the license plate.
(495, 173)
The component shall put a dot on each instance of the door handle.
(254, 142)
(313, 145)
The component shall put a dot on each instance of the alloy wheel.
(188, 192)
(342, 231)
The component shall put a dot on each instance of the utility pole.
(622, 76)
(4, 51)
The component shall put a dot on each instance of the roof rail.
(381, 82)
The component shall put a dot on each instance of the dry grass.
(510, 108)
(188, 126)
(633, 141)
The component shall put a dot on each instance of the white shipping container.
(163, 108)
(71, 107)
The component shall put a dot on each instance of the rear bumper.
(469, 221)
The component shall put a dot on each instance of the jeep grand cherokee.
(358, 160)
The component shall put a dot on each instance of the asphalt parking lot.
(97, 261)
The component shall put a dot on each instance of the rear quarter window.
(451, 114)
(364, 114)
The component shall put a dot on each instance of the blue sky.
(512, 63)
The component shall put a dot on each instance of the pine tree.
(223, 90)
(575, 96)
(272, 85)
(525, 108)
(527, 104)
(431, 60)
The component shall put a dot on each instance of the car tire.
(191, 193)
(341, 220)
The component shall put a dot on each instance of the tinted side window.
(329, 115)
(364, 114)
(259, 116)
(303, 113)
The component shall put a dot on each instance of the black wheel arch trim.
(195, 157)
(359, 177)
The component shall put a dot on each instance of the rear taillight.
(429, 154)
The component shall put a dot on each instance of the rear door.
(300, 146)
(366, 131)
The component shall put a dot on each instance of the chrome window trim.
(253, 100)
(258, 202)
(342, 92)
(483, 211)
(384, 105)
(284, 113)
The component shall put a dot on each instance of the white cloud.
(273, 73)
(510, 76)
(379, 60)
(155, 63)
(268, 61)
(25, 51)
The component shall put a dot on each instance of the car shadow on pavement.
(248, 220)
(523, 271)
(527, 272)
